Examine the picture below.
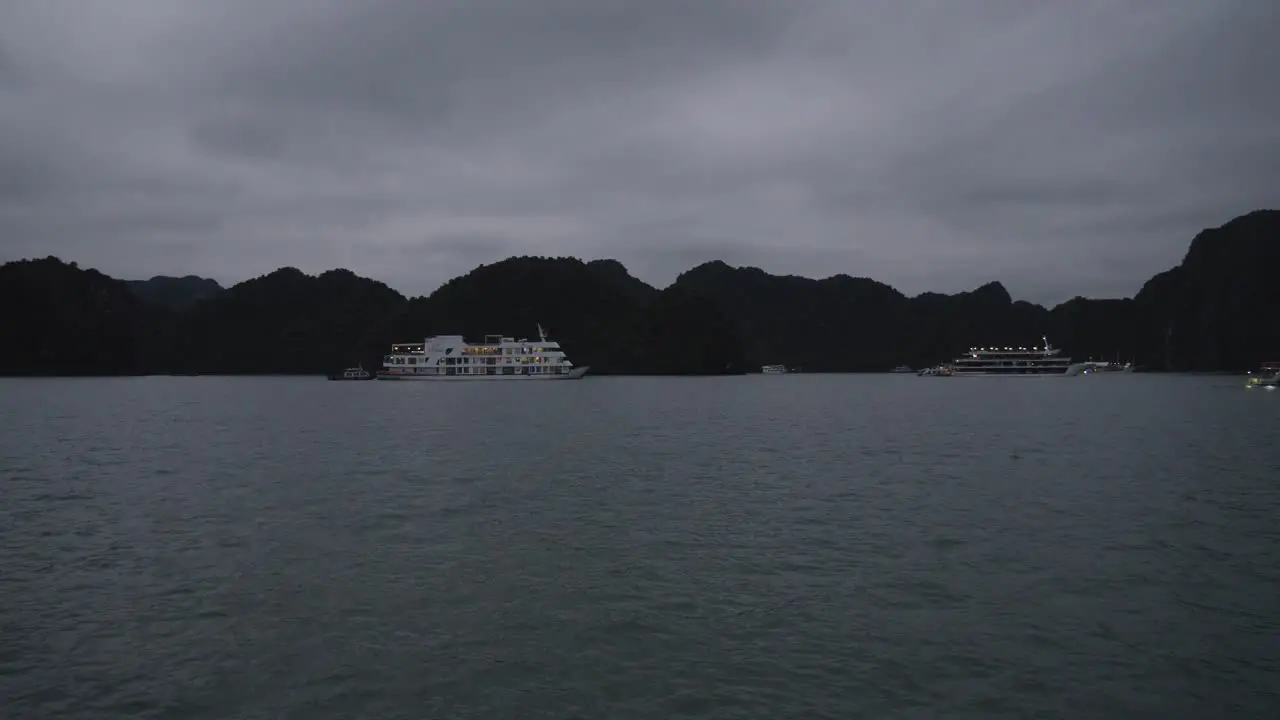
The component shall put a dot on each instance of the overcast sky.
(1063, 148)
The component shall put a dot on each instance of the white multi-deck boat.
(773, 369)
(450, 357)
(1015, 361)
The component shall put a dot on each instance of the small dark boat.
(1267, 376)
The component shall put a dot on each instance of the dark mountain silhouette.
(1215, 311)
(1219, 308)
(840, 323)
(174, 293)
(616, 274)
(856, 324)
(61, 320)
(598, 312)
(284, 322)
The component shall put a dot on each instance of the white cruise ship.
(450, 357)
(1015, 361)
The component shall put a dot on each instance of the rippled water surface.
(754, 547)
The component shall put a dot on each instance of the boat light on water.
(1266, 376)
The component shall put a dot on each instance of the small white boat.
(1101, 366)
(355, 373)
(773, 369)
(938, 371)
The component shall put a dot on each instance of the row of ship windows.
(505, 351)
(466, 361)
(493, 370)
(528, 350)
(1012, 363)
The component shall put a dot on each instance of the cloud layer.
(1064, 148)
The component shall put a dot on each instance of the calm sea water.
(753, 547)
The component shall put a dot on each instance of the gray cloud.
(1066, 148)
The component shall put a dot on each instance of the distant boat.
(902, 369)
(1102, 366)
(355, 373)
(773, 369)
(1113, 366)
(1266, 376)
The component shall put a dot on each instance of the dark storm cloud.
(1068, 148)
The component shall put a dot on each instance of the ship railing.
(1028, 353)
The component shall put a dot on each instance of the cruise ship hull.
(575, 374)
(1069, 371)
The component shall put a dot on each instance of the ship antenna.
(542, 333)
(1046, 343)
